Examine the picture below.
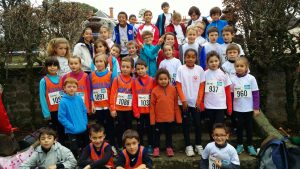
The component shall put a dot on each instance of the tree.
(141, 13)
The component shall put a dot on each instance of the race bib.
(242, 91)
(81, 94)
(212, 163)
(54, 97)
(100, 94)
(124, 99)
(143, 100)
(214, 87)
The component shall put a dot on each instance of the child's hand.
(52, 167)
(256, 113)
(87, 167)
(113, 114)
(218, 163)
(161, 40)
(142, 166)
(140, 45)
(185, 106)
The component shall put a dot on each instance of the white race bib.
(100, 94)
(124, 99)
(54, 97)
(212, 163)
(143, 100)
(81, 94)
(214, 87)
(242, 91)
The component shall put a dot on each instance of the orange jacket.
(53, 88)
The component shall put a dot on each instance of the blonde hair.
(54, 43)
(104, 57)
(202, 23)
(176, 16)
(191, 28)
(243, 60)
(107, 29)
(70, 80)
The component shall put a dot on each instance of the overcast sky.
(133, 6)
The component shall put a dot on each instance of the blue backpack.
(273, 155)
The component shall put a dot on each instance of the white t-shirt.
(172, 66)
(224, 47)
(123, 39)
(179, 34)
(200, 40)
(109, 42)
(215, 83)
(168, 19)
(214, 46)
(228, 67)
(242, 88)
(228, 154)
(148, 28)
(64, 67)
(190, 80)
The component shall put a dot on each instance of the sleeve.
(69, 159)
(157, 21)
(107, 155)
(179, 90)
(206, 152)
(178, 117)
(30, 162)
(156, 36)
(202, 58)
(121, 160)
(62, 117)
(200, 97)
(135, 108)
(228, 100)
(146, 159)
(78, 52)
(115, 68)
(160, 58)
(152, 108)
(255, 94)
(113, 93)
(139, 38)
(204, 163)
(84, 111)
(89, 93)
(43, 102)
(84, 159)
(91, 87)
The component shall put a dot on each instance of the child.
(164, 110)
(170, 63)
(170, 40)
(60, 48)
(121, 98)
(132, 49)
(195, 15)
(215, 14)
(49, 154)
(72, 114)
(134, 155)
(105, 34)
(50, 95)
(101, 80)
(232, 53)
(98, 154)
(188, 79)
(220, 154)
(142, 87)
(115, 51)
(215, 91)
(200, 25)
(148, 52)
(177, 28)
(101, 47)
(212, 45)
(123, 32)
(228, 35)
(132, 20)
(84, 87)
(245, 104)
(149, 27)
(85, 49)
(164, 19)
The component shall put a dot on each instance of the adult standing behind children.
(215, 14)
(164, 19)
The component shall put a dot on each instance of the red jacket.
(155, 34)
(170, 28)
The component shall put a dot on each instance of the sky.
(133, 6)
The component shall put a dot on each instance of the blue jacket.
(149, 55)
(72, 114)
(160, 24)
(220, 24)
(130, 33)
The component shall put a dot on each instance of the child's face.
(200, 29)
(191, 36)
(70, 88)
(168, 51)
(88, 35)
(166, 9)
(176, 21)
(122, 19)
(126, 68)
(232, 54)
(170, 40)
(190, 59)
(47, 141)
(148, 17)
(148, 39)
(132, 20)
(240, 67)
(100, 48)
(115, 51)
(141, 70)
(194, 16)
(97, 138)
(220, 136)
(131, 145)
(61, 49)
(132, 50)
(163, 80)
(52, 70)
(104, 34)
(227, 37)
(215, 16)
(213, 63)
(74, 64)
(213, 37)
(100, 62)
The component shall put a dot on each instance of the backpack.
(273, 155)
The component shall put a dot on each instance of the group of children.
(179, 75)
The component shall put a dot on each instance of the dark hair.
(233, 47)
(162, 71)
(146, 11)
(128, 59)
(132, 15)
(228, 28)
(47, 131)
(124, 13)
(169, 33)
(104, 43)
(81, 39)
(164, 4)
(128, 134)
(242, 59)
(221, 126)
(212, 29)
(191, 50)
(117, 46)
(96, 128)
(51, 61)
(146, 33)
(141, 62)
(195, 10)
(212, 54)
(215, 10)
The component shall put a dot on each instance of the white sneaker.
(199, 149)
(113, 148)
(189, 151)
